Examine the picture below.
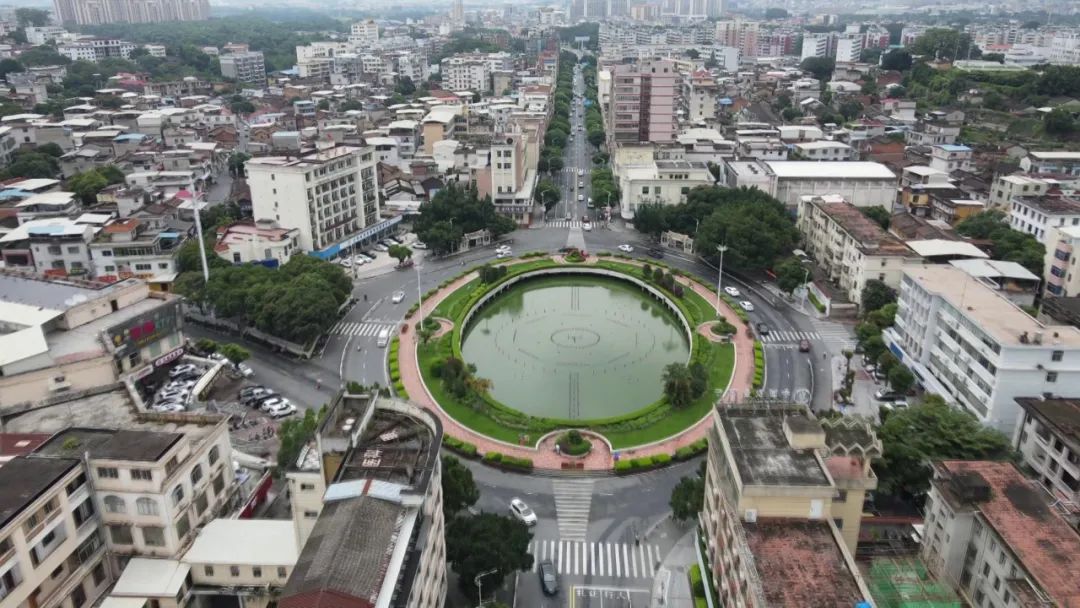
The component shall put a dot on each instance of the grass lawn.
(719, 359)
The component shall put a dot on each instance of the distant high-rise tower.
(98, 12)
(457, 13)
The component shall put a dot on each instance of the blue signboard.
(333, 250)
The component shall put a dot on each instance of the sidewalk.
(600, 458)
(671, 586)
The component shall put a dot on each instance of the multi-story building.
(818, 45)
(663, 182)
(642, 106)
(863, 184)
(1035, 215)
(466, 74)
(1048, 444)
(51, 247)
(999, 539)
(256, 242)
(52, 554)
(69, 336)
(850, 247)
(950, 157)
(98, 12)
(367, 501)
(824, 150)
(245, 68)
(784, 491)
(364, 33)
(977, 349)
(1006, 187)
(1059, 265)
(701, 96)
(144, 248)
(507, 178)
(849, 48)
(330, 195)
(1057, 162)
(152, 490)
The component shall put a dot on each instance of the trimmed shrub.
(493, 457)
(660, 460)
(572, 443)
(461, 447)
(623, 466)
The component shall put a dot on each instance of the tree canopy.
(876, 294)
(455, 211)
(879, 214)
(915, 436)
(946, 44)
(1008, 244)
(896, 59)
(790, 274)
(820, 67)
(485, 542)
(459, 489)
(688, 496)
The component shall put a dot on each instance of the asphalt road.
(577, 158)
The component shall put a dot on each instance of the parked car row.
(266, 401)
(366, 257)
(175, 394)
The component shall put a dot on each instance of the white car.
(245, 371)
(359, 261)
(747, 306)
(731, 291)
(502, 254)
(281, 410)
(419, 245)
(381, 247)
(581, 184)
(580, 172)
(347, 263)
(522, 511)
(587, 227)
(367, 258)
(626, 248)
(502, 248)
(581, 198)
(273, 403)
(397, 297)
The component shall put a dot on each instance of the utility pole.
(198, 231)
(479, 580)
(720, 276)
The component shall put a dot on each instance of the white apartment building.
(998, 538)
(1059, 265)
(367, 503)
(330, 195)
(863, 184)
(466, 73)
(659, 182)
(153, 489)
(824, 150)
(364, 33)
(52, 554)
(817, 45)
(256, 242)
(1035, 215)
(245, 68)
(849, 49)
(1048, 444)
(971, 345)
(144, 248)
(950, 157)
(1057, 162)
(1008, 186)
(850, 247)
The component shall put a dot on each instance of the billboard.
(148, 327)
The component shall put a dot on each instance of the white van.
(383, 339)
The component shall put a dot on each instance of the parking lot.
(252, 430)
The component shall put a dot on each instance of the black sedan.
(549, 581)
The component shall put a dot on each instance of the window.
(73, 486)
(200, 504)
(256, 571)
(1057, 355)
(108, 473)
(146, 506)
(307, 487)
(281, 573)
(214, 454)
(218, 483)
(196, 475)
(177, 495)
(1051, 376)
(183, 526)
(234, 571)
(115, 504)
(208, 570)
(311, 514)
(154, 536)
(98, 574)
(120, 535)
(142, 475)
(78, 596)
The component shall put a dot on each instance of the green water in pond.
(574, 347)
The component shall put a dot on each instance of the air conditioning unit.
(59, 383)
(750, 516)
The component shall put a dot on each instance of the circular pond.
(577, 347)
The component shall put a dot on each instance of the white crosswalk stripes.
(347, 328)
(618, 560)
(564, 224)
(790, 336)
(834, 334)
(572, 501)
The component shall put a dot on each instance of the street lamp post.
(419, 299)
(720, 276)
(480, 585)
(805, 288)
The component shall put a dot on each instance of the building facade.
(245, 68)
(100, 12)
(642, 106)
(1049, 445)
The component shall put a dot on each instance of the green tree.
(555, 164)
(234, 353)
(405, 86)
(896, 59)
(55, 151)
(873, 347)
(875, 295)
(30, 165)
(790, 114)
(774, 13)
(293, 435)
(944, 43)
(886, 362)
(790, 274)
(459, 489)
(400, 253)
(883, 317)
(915, 436)
(7, 66)
(850, 109)
(454, 211)
(755, 226)
(820, 68)
(1059, 121)
(1008, 244)
(900, 378)
(484, 542)
(678, 384)
(693, 53)
(688, 496)
(86, 185)
(33, 17)
(879, 214)
(547, 193)
(649, 219)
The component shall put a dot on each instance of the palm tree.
(678, 384)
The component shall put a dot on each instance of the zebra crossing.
(565, 224)
(834, 334)
(573, 499)
(790, 336)
(620, 560)
(347, 328)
